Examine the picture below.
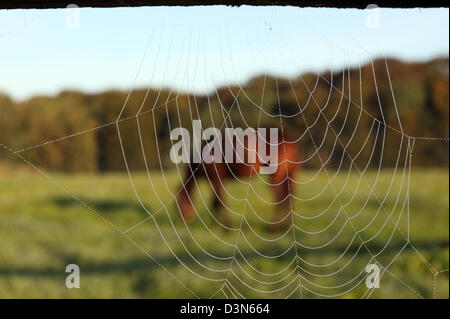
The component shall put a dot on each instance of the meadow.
(123, 252)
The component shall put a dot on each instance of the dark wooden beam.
(46, 4)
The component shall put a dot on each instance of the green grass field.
(43, 228)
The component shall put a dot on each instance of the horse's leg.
(217, 174)
(184, 199)
(282, 190)
(218, 205)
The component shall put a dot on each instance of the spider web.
(353, 223)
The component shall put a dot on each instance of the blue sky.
(199, 48)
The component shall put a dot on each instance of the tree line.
(365, 114)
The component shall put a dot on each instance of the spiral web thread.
(355, 226)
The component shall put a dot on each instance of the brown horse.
(286, 166)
